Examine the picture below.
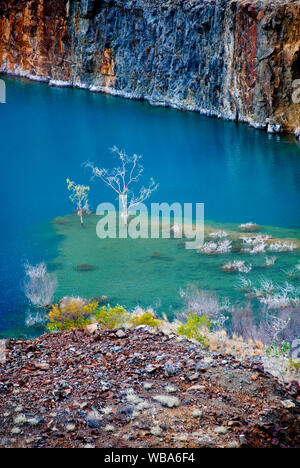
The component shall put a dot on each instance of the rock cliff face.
(233, 59)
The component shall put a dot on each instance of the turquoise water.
(241, 174)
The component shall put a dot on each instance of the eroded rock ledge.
(233, 59)
(139, 388)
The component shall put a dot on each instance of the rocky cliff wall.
(233, 59)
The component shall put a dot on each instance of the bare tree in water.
(122, 178)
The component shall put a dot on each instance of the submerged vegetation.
(282, 247)
(273, 296)
(215, 248)
(218, 235)
(237, 266)
(39, 285)
(248, 227)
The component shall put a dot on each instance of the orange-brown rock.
(234, 59)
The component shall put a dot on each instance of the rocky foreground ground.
(139, 389)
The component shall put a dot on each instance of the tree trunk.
(124, 214)
(125, 217)
(80, 214)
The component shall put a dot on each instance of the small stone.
(193, 377)
(109, 428)
(274, 128)
(94, 419)
(288, 404)
(18, 409)
(89, 446)
(70, 428)
(85, 267)
(91, 329)
(107, 410)
(20, 420)
(171, 388)
(33, 421)
(42, 366)
(167, 400)
(29, 440)
(156, 431)
(116, 349)
(187, 402)
(233, 423)
(148, 386)
(196, 388)
(150, 369)
(171, 369)
(221, 430)
(204, 365)
(233, 444)
(121, 334)
(126, 410)
(15, 431)
(143, 405)
(197, 413)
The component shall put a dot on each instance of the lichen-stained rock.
(107, 68)
(35, 39)
(234, 59)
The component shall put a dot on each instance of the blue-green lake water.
(241, 174)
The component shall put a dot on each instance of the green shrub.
(195, 328)
(111, 317)
(73, 314)
(145, 317)
(77, 313)
(294, 365)
(278, 349)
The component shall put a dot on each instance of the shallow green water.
(151, 272)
